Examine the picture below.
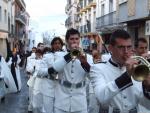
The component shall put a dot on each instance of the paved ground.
(17, 102)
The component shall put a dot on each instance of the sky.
(47, 15)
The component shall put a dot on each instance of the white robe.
(6, 74)
(17, 70)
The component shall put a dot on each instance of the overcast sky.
(47, 15)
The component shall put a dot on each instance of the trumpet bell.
(75, 53)
(140, 72)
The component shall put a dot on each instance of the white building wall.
(106, 7)
(3, 27)
(3, 22)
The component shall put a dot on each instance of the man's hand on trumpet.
(130, 65)
(77, 52)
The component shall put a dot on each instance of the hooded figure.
(7, 84)
(13, 64)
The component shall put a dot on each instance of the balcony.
(20, 34)
(106, 20)
(21, 3)
(92, 3)
(68, 21)
(21, 18)
(81, 29)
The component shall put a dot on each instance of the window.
(110, 5)
(5, 16)
(102, 10)
(0, 13)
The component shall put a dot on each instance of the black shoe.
(30, 112)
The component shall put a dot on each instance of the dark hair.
(46, 49)
(39, 44)
(55, 39)
(39, 51)
(33, 47)
(141, 39)
(71, 31)
(120, 33)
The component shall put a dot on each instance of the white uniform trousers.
(42, 103)
(30, 106)
(93, 106)
(56, 110)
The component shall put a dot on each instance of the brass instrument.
(142, 70)
(76, 53)
(96, 56)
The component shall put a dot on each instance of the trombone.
(142, 70)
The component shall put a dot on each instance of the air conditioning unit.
(147, 27)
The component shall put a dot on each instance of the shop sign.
(147, 27)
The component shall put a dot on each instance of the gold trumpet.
(76, 53)
(142, 70)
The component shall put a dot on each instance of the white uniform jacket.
(115, 90)
(31, 61)
(41, 84)
(48, 85)
(70, 99)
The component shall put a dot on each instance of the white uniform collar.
(114, 63)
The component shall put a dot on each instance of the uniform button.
(124, 97)
(72, 66)
(72, 71)
(125, 106)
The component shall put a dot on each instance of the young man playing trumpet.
(141, 49)
(113, 84)
(70, 92)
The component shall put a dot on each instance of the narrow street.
(17, 102)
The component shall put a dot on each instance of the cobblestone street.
(17, 102)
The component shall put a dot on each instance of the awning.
(3, 35)
(111, 28)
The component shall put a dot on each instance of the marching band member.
(50, 82)
(141, 49)
(93, 105)
(113, 85)
(70, 92)
(30, 68)
(37, 82)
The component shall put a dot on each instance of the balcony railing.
(20, 17)
(68, 21)
(106, 20)
(20, 34)
(81, 29)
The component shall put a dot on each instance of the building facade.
(5, 24)
(20, 25)
(136, 14)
